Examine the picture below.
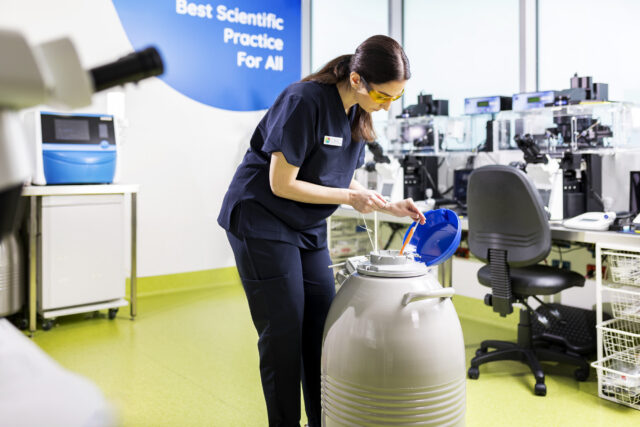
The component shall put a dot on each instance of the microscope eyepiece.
(131, 68)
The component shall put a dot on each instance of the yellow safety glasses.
(377, 97)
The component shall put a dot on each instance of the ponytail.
(335, 71)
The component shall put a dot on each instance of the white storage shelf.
(618, 363)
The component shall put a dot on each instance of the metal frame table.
(35, 229)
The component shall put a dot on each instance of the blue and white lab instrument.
(487, 104)
(532, 100)
(73, 148)
(598, 221)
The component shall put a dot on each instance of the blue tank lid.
(437, 239)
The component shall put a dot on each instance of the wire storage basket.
(625, 301)
(619, 370)
(625, 267)
(620, 381)
(621, 340)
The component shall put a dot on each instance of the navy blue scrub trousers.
(289, 290)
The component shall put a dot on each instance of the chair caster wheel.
(581, 374)
(473, 373)
(540, 389)
(112, 313)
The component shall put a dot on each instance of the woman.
(298, 170)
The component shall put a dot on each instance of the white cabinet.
(618, 363)
(82, 258)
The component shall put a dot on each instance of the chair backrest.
(506, 212)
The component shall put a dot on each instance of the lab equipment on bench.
(50, 73)
(421, 133)
(570, 185)
(582, 89)
(72, 148)
(426, 128)
(580, 118)
(426, 106)
(532, 100)
(599, 221)
(548, 179)
(420, 174)
(428, 204)
(585, 126)
(487, 104)
(383, 173)
(487, 133)
(393, 351)
(545, 173)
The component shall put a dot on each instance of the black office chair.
(509, 230)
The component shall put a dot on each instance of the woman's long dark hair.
(379, 59)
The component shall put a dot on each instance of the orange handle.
(408, 239)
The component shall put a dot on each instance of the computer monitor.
(634, 192)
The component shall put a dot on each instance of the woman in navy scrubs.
(297, 171)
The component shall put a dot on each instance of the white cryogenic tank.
(393, 352)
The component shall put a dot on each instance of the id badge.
(333, 141)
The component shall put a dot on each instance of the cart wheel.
(47, 324)
(473, 373)
(112, 313)
(541, 389)
(22, 323)
(581, 374)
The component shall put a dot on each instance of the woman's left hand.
(405, 207)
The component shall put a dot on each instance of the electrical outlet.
(566, 265)
(555, 263)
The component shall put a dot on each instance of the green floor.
(190, 359)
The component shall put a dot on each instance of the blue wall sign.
(230, 54)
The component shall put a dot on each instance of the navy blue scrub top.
(296, 125)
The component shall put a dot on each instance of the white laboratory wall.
(597, 39)
(461, 49)
(593, 38)
(182, 153)
(339, 26)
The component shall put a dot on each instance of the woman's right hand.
(365, 201)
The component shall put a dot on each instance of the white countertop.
(67, 190)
